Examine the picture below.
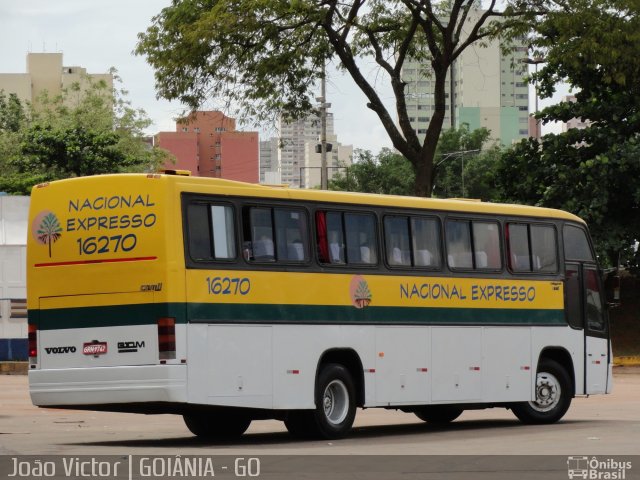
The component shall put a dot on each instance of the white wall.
(14, 213)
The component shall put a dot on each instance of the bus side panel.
(456, 355)
(597, 364)
(269, 367)
(506, 365)
(231, 365)
(403, 364)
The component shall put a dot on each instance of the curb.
(627, 361)
(14, 368)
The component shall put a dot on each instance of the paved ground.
(597, 425)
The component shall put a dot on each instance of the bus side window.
(543, 248)
(425, 240)
(361, 242)
(576, 244)
(330, 237)
(211, 232)
(486, 243)
(459, 244)
(518, 249)
(198, 224)
(291, 235)
(261, 234)
(396, 236)
(531, 248)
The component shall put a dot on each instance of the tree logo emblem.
(47, 229)
(360, 293)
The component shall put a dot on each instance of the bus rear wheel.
(553, 396)
(335, 407)
(218, 425)
(438, 414)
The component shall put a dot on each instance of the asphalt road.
(605, 425)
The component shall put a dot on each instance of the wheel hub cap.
(547, 392)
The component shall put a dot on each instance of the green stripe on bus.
(146, 314)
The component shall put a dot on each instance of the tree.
(263, 57)
(591, 172)
(462, 154)
(388, 172)
(391, 173)
(87, 130)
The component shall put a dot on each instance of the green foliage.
(464, 154)
(388, 173)
(88, 130)
(592, 172)
(263, 58)
(391, 173)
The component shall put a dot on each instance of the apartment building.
(208, 145)
(485, 88)
(46, 72)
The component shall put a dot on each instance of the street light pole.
(461, 153)
(324, 181)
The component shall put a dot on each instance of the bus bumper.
(96, 386)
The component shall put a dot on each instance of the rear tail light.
(33, 344)
(167, 338)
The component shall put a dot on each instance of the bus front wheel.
(217, 426)
(335, 407)
(553, 395)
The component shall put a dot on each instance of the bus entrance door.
(585, 309)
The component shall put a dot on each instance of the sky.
(98, 35)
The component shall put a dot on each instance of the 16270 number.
(105, 244)
(228, 286)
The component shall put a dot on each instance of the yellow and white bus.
(228, 302)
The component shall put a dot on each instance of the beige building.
(45, 72)
(579, 123)
(485, 88)
(339, 158)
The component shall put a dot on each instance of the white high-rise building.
(485, 88)
(293, 136)
(269, 161)
(339, 158)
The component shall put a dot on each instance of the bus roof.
(206, 185)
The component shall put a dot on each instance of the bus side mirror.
(612, 287)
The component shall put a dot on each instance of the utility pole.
(324, 181)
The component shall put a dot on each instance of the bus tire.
(438, 414)
(553, 395)
(335, 407)
(217, 426)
